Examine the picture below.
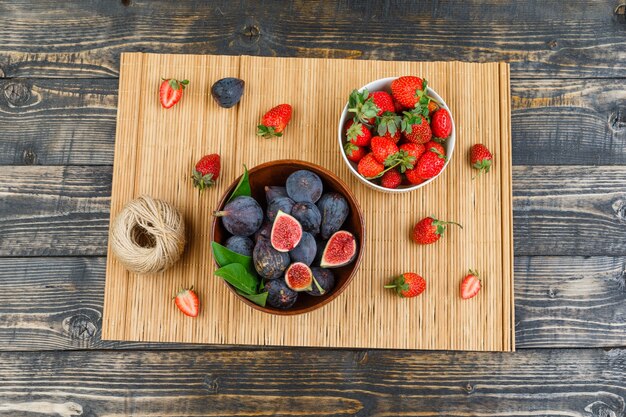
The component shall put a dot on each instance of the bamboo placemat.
(155, 151)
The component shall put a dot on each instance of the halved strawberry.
(187, 301)
(171, 91)
(470, 285)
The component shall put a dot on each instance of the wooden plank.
(539, 39)
(560, 302)
(313, 383)
(72, 121)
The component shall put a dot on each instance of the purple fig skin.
(322, 278)
(243, 245)
(268, 262)
(334, 209)
(308, 215)
(264, 231)
(284, 204)
(305, 251)
(242, 216)
(321, 245)
(279, 294)
(272, 192)
(304, 185)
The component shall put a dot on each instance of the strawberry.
(206, 171)
(415, 128)
(481, 158)
(388, 125)
(391, 179)
(354, 152)
(369, 166)
(435, 146)
(414, 149)
(413, 177)
(408, 285)
(430, 164)
(358, 133)
(383, 101)
(407, 90)
(171, 91)
(274, 121)
(470, 285)
(362, 105)
(382, 148)
(429, 230)
(432, 107)
(441, 124)
(187, 301)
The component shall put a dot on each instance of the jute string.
(148, 235)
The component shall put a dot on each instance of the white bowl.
(384, 84)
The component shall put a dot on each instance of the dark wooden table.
(58, 89)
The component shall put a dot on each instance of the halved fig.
(340, 250)
(286, 232)
(299, 277)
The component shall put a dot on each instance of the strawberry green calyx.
(356, 129)
(202, 181)
(439, 154)
(423, 96)
(362, 106)
(441, 225)
(474, 273)
(412, 118)
(175, 84)
(267, 131)
(388, 122)
(399, 284)
(350, 148)
(401, 159)
(482, 165)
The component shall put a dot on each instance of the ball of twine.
(148, 235)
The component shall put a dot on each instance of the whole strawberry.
(274, 121)
(382, 147)
(413, 149)
(481, 158)
(413, 177)
(470, 285)
(441, 124)
(369, 167)
(408, 285)
(354, 152)
(358, 133)
(430, 164)
(391, 179)
(171, 91)
(383, 101)
(206, 171)
(435, 147)
(429, 230)
(415, 128)
(408, 90)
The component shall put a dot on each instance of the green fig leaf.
(243, 187)
(224, 256)
(259, 299)
(237, 276)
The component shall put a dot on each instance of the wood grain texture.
(538, 38)
(72, 121)
(313, 383)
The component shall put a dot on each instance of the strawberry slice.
(187, 301)
(470, 285)
(171, 91)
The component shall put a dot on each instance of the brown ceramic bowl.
(276, 173)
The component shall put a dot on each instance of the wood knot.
(469, 388)
(619, 208)
(620, 13)
(211, 384)
(80, 327)
(29, 157)
(250, 34)
(361, 358)
(617, 121)
(552, 293)
(553, 44)
(126, 2)
(16, 93)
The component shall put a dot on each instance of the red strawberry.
(413, 177)
(399, 108)
(408, 285)
(358, 133)
(383, 101)
(430, 164)
(274, 121)
(470, 285)
(369, 166)
(206, 171)
(382, 148)
(187, 301)
(171, 91)
(413, 149)
(441, 124)
(481, 158)
(353, 152)
(415, 128)
(391, 179)
(388, 125)
(406, 90)
(436, 146)
(432, 107)
(429, 230)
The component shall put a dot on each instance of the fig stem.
(319, 287)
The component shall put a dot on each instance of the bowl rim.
(342, 121)
(357, 262)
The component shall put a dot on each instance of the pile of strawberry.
(397, 138)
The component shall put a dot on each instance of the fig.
(334, 210)
(241, 244)
(227, 92)
(264, 231)
(268, 262)
(308, 215)
(340, 250)
(242, 216)
(286, 232)
(279, 295)
(272, 192)
(305, 251)
(323, 281)
(299, 277)
(304, 185)
(280, 203)
(321, 245)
